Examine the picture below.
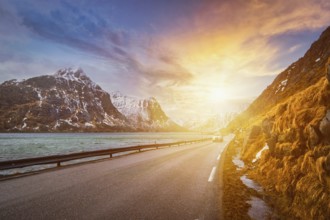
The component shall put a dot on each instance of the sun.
(218, 94)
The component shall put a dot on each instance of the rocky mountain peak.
(70, 72)
(65, 101)
(325, 33)
(74, 75)
(144, 114)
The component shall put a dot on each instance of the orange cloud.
(226, 45)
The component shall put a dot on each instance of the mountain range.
(70, 101)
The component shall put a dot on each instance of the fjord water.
(27, 145)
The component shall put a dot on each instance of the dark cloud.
(165, 69)
(83, 29)
(75, 28)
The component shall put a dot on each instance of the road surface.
(169, 183)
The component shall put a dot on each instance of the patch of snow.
(251, 184)
(24, 125)
(108, 120)
(238, 162)
(70, 122)
(318, 59)
(66, 98)
(281, 86)
(85, 106)
(39, 96)
(87, 124)
(57, 124)
(258, 155)
(70, 74)
(259, 210)
(284, 82)
(99, 103)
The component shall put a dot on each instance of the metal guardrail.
(58, 159)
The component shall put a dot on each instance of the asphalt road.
(169, 183)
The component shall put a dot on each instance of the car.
(217, 138)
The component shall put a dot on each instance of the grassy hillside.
(292, 117)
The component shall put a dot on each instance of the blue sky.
(184, 52)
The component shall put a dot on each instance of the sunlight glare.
(218, 94)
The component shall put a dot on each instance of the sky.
(196, 57)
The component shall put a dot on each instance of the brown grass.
(292, 172)
(235, 193)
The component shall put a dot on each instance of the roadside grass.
(235, 194)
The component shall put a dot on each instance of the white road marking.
(212, 174)
(218, 158)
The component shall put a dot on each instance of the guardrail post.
(110, 155)
(58, 164)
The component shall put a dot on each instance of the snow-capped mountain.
(69, 101)
(65, 101)
(144, 114)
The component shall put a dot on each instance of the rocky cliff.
(289, 126)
